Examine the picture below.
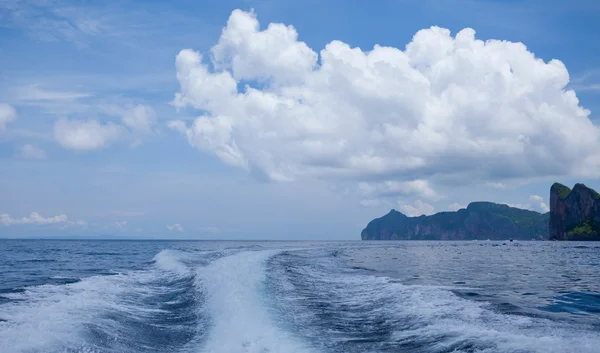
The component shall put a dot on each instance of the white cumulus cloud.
(418, 208)
(85, 135)
(7, 114)
(538, 203)
(36, 218)
(445, 109)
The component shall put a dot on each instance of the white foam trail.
(432, 316)
(468, 320)
(241, 323)
(51, 316)
(56, 318)
(442, 313)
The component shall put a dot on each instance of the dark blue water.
(259, 297)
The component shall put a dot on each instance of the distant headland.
(574, 215)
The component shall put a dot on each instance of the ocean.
(283, 297)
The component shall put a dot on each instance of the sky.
(288, 119)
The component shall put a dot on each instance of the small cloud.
(85, 135)
(539, 203)
(418, 208)
(32, 152)
(175, 227)
(37, 219)
(7, 114)
(455, 207)
(120, 224)
(140, 119)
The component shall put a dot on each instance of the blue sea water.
(268, 297)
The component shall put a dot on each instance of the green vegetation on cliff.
(561, 190)
(586, 229)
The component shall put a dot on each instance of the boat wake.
(253, 300)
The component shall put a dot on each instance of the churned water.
(259, 297)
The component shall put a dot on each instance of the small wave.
(64, 279)
(37, 260)
(12, 290)
(169, 260)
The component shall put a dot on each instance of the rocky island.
(574, 214)
(480, 220)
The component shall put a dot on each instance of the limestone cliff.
(480, 220)
(574, 214)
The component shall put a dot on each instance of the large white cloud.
(85, 135)
(36, 218)
(7, 115)
(443, 110)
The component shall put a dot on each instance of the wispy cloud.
(36, 93)
(37, 219)
(32, 152)
(53, 20)
(81, 24)
(175, 227)
(588, 81)
(588, 87)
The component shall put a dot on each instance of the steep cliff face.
(480, 220)
(574, 214)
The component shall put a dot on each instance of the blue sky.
(94, 140)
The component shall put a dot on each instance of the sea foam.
(236, 301)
